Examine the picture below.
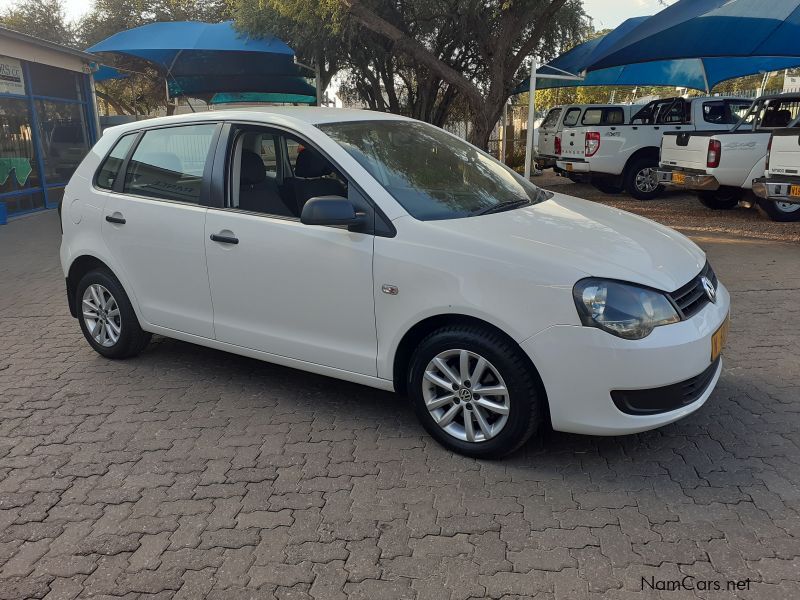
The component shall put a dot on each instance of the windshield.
(432, 174)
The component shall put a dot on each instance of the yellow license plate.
(719, 338)
(794, 190)
(569, 167)
(678, 178)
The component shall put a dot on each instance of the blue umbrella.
(712, 29)
(211, 57)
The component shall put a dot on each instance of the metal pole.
(503, 134)
(531, 114)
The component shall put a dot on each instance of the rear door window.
(168, 163)
(724, 112)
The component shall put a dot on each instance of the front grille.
(691, 298)
(667, 398)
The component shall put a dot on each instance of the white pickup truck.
(548, 148)
(625, 157)
(721, 166)
(779, 190)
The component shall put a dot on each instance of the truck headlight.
(626, 310)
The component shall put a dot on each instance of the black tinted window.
(111, 165)
(168, 163)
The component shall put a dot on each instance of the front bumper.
(775, 189)
(691, 181)
(581, 366)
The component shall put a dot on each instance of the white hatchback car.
(385, 251)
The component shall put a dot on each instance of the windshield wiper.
(501, 207)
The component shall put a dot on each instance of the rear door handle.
(114, 219)
(224, 239)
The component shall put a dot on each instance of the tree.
(501, 34)
(41, 18)
(425, 57)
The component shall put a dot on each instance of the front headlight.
(622, 309)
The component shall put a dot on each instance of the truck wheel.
(607, 186)
(721, 199)
(640, 179)
(784, 212)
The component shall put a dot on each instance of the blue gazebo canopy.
(757, 29)
(205, 58)
(692, 43)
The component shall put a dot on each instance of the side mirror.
(330, 210)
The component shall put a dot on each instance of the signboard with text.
(11, 79)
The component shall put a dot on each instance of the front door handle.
(224, 239)
(119, 220)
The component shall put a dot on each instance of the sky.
(606, 13)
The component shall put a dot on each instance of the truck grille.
(691, 298)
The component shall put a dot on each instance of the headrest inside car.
(311, 163)
(253, 171)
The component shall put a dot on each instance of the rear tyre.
(474, 391)
(721, 199)
(106, 316)
(608, 186)
(640, 179)
(784, 212)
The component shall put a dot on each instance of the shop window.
(64, 138)
(168, 163)
(54, 82)
(18, 168)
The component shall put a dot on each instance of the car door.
(155, 224)
(279, 286)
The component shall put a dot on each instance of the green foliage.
(41, 18)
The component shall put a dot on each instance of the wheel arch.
(79, 267)
(415, 334)
(648, 152)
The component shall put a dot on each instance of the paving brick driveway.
(190, 473)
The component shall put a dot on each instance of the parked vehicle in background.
(721, 166)
(778, 191)
(385, 251)
(616, 156)
(551, 132)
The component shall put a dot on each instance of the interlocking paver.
(189, 473)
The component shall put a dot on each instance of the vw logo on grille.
(465, 394)
(709, 288)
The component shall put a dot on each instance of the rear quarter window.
(551, 120)
(109, 168)
(571, 118)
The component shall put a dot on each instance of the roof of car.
(313, 115)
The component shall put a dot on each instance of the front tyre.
(106, 316)
(640, 179)
(474, 391)
(784, 212)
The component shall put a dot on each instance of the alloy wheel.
(646, 180)
(101, 315)
(466, 395)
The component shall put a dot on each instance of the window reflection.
(17, 159)
(64, 139)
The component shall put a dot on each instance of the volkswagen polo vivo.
(387, 252)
